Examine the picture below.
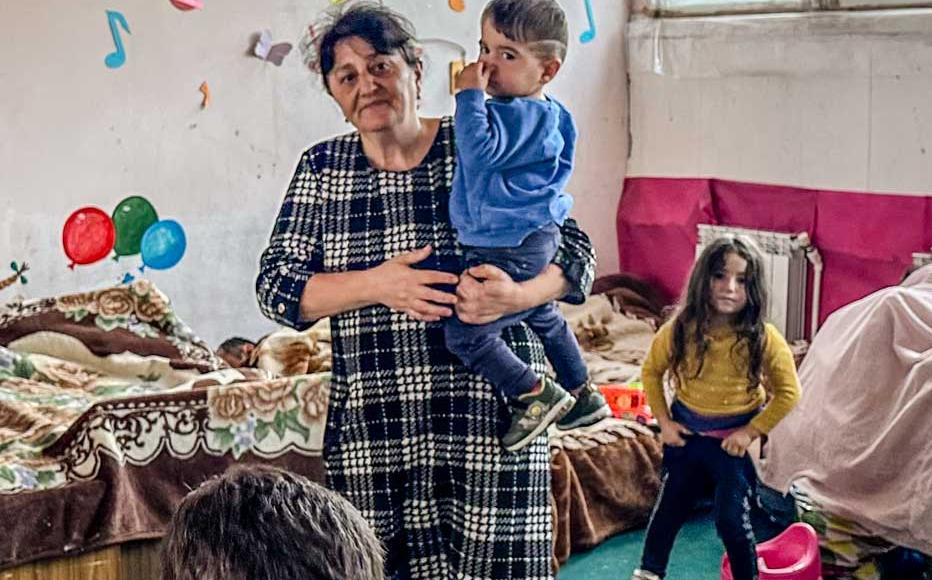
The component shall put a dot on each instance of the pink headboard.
(866, 240)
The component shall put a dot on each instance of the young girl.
(720, 352)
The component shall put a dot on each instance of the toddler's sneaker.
(590, 408)
(534, 412)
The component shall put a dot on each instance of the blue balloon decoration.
(163, 244)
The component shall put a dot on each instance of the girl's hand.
(737, 443)
(408, 290)
(672, 433)
(485, 294)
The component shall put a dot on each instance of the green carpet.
(697, 555)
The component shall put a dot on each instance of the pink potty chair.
(793, 555)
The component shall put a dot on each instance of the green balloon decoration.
(131, 218)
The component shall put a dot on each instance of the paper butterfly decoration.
(273, 53)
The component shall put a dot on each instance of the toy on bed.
(628, 401)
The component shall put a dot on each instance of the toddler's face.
(514, 70)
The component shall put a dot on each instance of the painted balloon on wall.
(88, 236)
(163, 245)
(131, 218)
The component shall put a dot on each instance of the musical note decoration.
(588, 35)
(116, 58)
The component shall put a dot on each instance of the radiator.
(785, 271)
(921, 259)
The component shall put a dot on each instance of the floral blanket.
(109, 389)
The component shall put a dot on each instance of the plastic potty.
(793, 555)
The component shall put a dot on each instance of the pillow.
(135, 318)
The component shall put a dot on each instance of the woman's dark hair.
(692, 321)
(541, 24)
(387, 31)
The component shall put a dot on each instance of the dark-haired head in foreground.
(264, 523)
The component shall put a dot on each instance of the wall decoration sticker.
(116, 58)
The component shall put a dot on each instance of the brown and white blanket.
(111, 410)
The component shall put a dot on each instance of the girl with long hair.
(720, 353)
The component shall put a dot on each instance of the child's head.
(524, 44)
(263, 523)
(236, 351)
(726, 286)
(727, 283)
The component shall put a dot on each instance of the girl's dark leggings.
(686, 473)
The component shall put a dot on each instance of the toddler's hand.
(671, 433)
(474, 76)
(737, 443)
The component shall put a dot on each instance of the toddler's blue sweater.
(514, 158)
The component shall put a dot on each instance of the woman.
(363, 236)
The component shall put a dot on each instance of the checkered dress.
(412, 435)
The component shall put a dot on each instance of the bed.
(111, 410)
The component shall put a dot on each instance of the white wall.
(76, 133)
(835, 101)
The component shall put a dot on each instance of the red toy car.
(628, 401)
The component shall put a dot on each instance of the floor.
(696, 555)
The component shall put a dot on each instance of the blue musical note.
(118, 57)
(588, 35)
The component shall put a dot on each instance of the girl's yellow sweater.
(722, 386)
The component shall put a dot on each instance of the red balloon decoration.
(88, 236)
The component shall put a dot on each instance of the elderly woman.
(363, 236)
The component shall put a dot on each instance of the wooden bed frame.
(131, 561)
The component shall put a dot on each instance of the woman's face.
(376, 92)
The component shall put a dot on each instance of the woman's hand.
(672, 433)
(486, 293)
(737, 443)
(408, 290)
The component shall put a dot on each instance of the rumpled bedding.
(606, 477)
(112, 409)
(858, 442)
(604, 480)
(614, 344)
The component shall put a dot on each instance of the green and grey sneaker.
(533, 412)
(590, 408)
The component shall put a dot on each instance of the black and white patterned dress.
(412, 435)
